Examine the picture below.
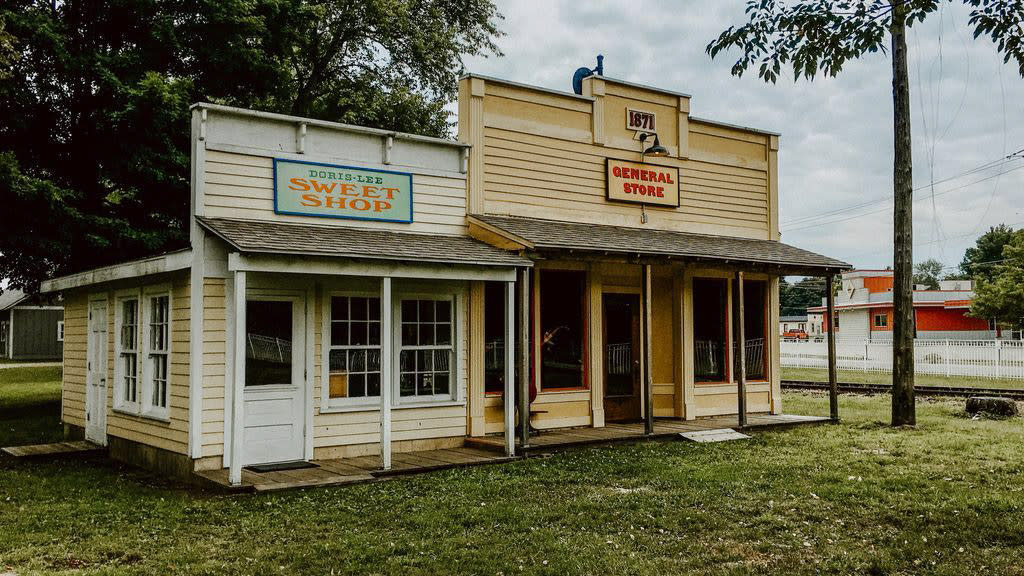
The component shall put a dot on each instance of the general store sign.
(331, 191)
(642, 183)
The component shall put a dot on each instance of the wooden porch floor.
(355, 470)
(563, 438)
(56, 449)
(478, 451)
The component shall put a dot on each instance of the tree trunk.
(903, 413)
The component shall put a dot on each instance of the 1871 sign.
(332, 191)
(642, 183)
(640, 121)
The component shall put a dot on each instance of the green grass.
(30, 405)
(858, 497)
(859, 377)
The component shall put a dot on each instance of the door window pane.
(268, 342)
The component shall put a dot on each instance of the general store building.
(573, 260)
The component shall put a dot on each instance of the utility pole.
(903, 410)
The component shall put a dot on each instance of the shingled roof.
(351, 242)
(551, 235)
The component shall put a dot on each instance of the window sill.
(162, 418)
(376, 406)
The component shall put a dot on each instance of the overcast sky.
(836, 147)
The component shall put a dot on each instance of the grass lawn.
(860, 377)
(858, 497)
(30, 405)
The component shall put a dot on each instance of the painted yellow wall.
(538, 153)
(172, 435)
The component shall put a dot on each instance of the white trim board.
(336, 267)
(170, 262)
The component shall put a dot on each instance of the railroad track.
(921, 390)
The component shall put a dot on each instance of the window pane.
(374, 308)
(444, 335)
(339, 334)
(443, 310)
(562, 328)
(424, 384)
(357, 360)
(441, 360)
(441, 383)
(755, 318)
(407, 385)
(494, 336)
(409, 334)
(424, 360)
(374, 336)
(358, 308)
(339, 308)
(426, 334)
(407, 361)
(359, 334)
(268, 345)
(409, 311)
(357, 385)
(709, 330)
(373, 384)
(426, 310)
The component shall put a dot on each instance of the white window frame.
(327, 403)
(60, 330)
(120, 403)
(146, 352)
(455, 297)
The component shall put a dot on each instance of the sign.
(330, 191)
(642, 183)
(640, 120)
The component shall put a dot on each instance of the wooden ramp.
(614, 432)
(55, 450)
(353, 470)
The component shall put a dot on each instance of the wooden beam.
(238, 384)
(645, 349)
(524, 357)
(387, 358)
(740, 351)
(510, 368)
(833, 382)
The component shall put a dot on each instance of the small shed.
(30, 330)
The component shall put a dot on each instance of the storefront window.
(494, 337)
(354, 356)
(710, 300)
(268, 342)
(562, 328)
(425, 353)
(755, 326)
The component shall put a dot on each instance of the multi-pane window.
(158, 351)
(425, 352)
(354, 355)
(128, 352)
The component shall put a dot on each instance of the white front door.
(96, 379)
(274, 412)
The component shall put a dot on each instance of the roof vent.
(584, 72)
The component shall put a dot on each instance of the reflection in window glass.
(425, 351)
(709, 329)
(268, 342)
(561, 328)
(354, 356)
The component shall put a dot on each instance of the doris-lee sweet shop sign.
(642, 183)
(331, 191)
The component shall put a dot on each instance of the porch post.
(645, 349)
(238, 384)
(524, 357)
(510, 367)
(741, 350)
(833, 383)
(386, 364)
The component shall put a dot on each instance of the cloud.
(836, 146)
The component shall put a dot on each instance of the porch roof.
(549, 235)
(255, 236)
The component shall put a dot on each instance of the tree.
(796, 298)
(928, 273)
(813, 36)
(980, 260)
(1000, 293)
(94, 96)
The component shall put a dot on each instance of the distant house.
(864, 309)
(787, 323)
(29, 331)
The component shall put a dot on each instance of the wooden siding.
(242, 186)
(171, 435)
(214, 365)
(35, 333)
(543, 155)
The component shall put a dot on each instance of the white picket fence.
(975, 358)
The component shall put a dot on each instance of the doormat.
(297, 465)
(716, 435)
